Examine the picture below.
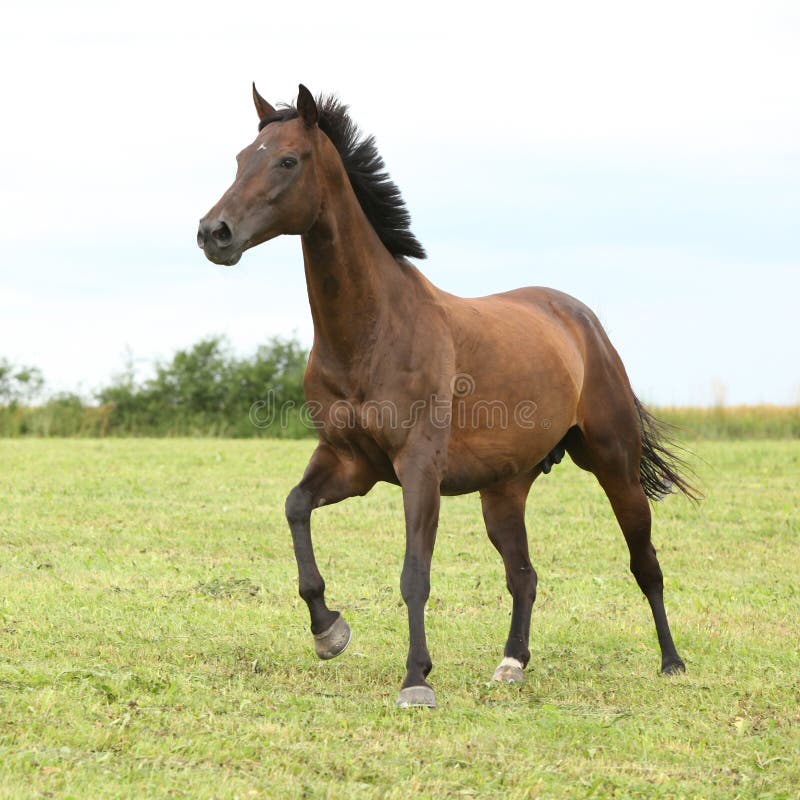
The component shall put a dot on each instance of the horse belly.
(510, 411)
(480, 457)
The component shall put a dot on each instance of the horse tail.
(661, 469)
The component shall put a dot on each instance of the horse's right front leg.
(328, 479)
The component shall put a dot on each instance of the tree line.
(204, 390)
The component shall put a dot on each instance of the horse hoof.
(333, 641)
(509, 671)
(416, 696)
(673, 667)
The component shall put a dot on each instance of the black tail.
(660, 468)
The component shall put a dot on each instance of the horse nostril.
(201, 237)
(222, 234)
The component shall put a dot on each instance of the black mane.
(376, 192)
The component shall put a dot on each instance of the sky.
(643, 157)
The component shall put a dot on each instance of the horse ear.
(263, 108)
(307, 107)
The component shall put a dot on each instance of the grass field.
(152, 643)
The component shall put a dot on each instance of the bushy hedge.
(205, 390)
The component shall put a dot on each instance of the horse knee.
(298, 506)
(415, 584)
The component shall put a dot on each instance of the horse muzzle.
(216, 240)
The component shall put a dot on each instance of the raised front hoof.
(509, 671)
(333, 641)
(416, 696)
(674, 666)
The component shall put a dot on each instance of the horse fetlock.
(312, 590)
(416, 666)
(673, 666)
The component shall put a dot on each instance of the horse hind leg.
(615, 464)
(632, 510)
(504, 514)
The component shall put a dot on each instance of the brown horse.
(439, 394)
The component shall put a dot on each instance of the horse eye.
(288, 162)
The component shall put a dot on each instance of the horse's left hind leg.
(504, 514)
(632, 511)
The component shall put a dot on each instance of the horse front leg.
(421, 494)
(328, 479)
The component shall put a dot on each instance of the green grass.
(152, 643)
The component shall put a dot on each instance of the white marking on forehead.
(261, 147)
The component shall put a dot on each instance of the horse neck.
(351, 277)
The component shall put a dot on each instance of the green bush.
(202, 391)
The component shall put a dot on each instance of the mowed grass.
(152, 643)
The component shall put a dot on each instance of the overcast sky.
(644, 157)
